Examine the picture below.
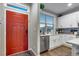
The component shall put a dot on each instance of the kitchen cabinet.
(69, 20)
(75, 46)
(55, 41)
(58, 40)
(44, 43)
(75, 50)
(51, 42)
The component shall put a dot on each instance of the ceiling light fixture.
(69, 4)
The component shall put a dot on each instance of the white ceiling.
(60, 8)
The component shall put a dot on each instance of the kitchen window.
(46, 24)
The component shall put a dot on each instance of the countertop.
(47, 35)
(56, 35)
(74, 41)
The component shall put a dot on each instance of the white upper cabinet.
(68, 21)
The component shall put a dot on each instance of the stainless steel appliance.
(44, 43)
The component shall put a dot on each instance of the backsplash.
(67, 30)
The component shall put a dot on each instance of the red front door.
(16, 32)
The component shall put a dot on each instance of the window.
(42, 24)
(49, 19)
(46, 24)
(42, 18)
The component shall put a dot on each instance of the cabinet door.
(16, 32)
(55, 41)
(60, 40)
(68, 21)
(52, 42)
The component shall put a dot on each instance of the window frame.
(46, 24)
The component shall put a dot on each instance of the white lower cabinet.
(75, 50)
(54, 42)
(58, 40)
(51, 42)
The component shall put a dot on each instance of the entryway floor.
(60, 51)
(26, 53)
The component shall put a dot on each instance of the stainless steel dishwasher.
(44, 43)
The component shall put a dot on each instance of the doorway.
(16, 32)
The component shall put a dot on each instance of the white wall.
(34, 28)
(69, 20)
(2, 30)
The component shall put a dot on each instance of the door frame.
(27, 13)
